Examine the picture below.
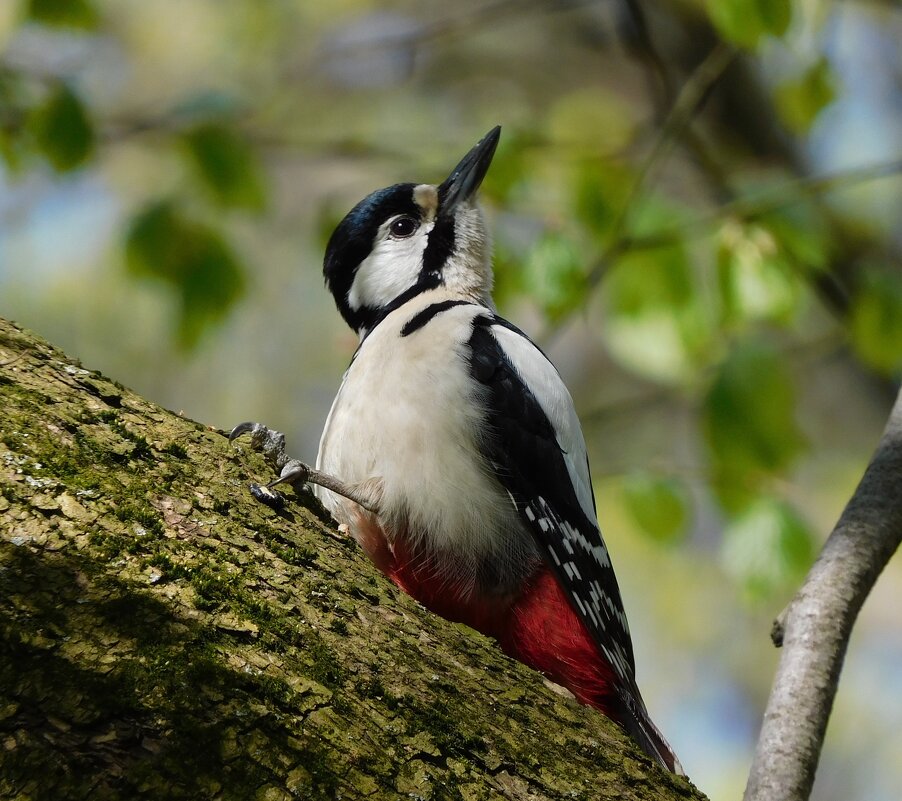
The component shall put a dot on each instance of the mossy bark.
(163, 635)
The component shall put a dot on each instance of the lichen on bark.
(162, 635)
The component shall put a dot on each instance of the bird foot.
(271, 444)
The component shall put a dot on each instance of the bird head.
(410, 238)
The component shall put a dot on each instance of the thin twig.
(766, 201)
(684, 109)
(459, 21)
(687, 103)
(816, 626)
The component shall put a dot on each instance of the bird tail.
(637, 723)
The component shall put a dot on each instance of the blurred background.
(698, 214)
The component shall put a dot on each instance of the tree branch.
(815, 628)
(758, 204)
(162, 635)
(686, 104)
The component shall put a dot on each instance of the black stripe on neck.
(422, 317)
(369, 318)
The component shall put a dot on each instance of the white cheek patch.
(392, 267)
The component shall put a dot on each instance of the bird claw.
(291, 471)
(267, 496)
(263, 438)
(294, 472)
(244, 428)
(271, 444)
(268, 441)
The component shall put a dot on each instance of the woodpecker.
(453, 453)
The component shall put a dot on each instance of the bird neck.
(425, 295)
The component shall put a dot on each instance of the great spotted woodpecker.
(453, 452)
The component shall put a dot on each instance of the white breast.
(406, 414)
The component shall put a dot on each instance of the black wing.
(531, 464)
(546, 473)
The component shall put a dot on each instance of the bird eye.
(403, 227)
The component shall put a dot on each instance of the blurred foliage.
(749, 423)
(683, 211)
(767, 546)
(659, 505)
(227, 165)
(62, 130)
(745, 22)
(74, 13)
(755, 278)
(876, 324)
(554, 270)
(190, 257)
(687, 218)
(800, 101)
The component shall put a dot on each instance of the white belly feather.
(406, 415)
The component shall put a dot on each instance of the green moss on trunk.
(164, 636)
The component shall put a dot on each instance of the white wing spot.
(572, 571)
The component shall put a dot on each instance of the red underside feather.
(538, 628)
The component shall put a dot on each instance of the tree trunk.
(166, 636)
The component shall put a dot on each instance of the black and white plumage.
(453, 452)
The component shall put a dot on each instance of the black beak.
(466, 177)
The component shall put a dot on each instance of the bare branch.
(684, 109)
(212, 641)
(817, 624)
(757, 204)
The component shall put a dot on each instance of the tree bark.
(165, 636)
(815, 628)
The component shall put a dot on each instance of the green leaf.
(555, 275)
(63, 13)
(227, 165)
(800, 101)
(767, 547)
(190, 257)
(749, 421)
(62, 129)
(744, 22)
(510, 280)
(755, 280)
(654, 345)
(876, 322)
(802, 231)
(658, 504)
(592, 121)
(655, 323)
(643, 280)
(599, 191)
(11, 151)
(14, 146)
